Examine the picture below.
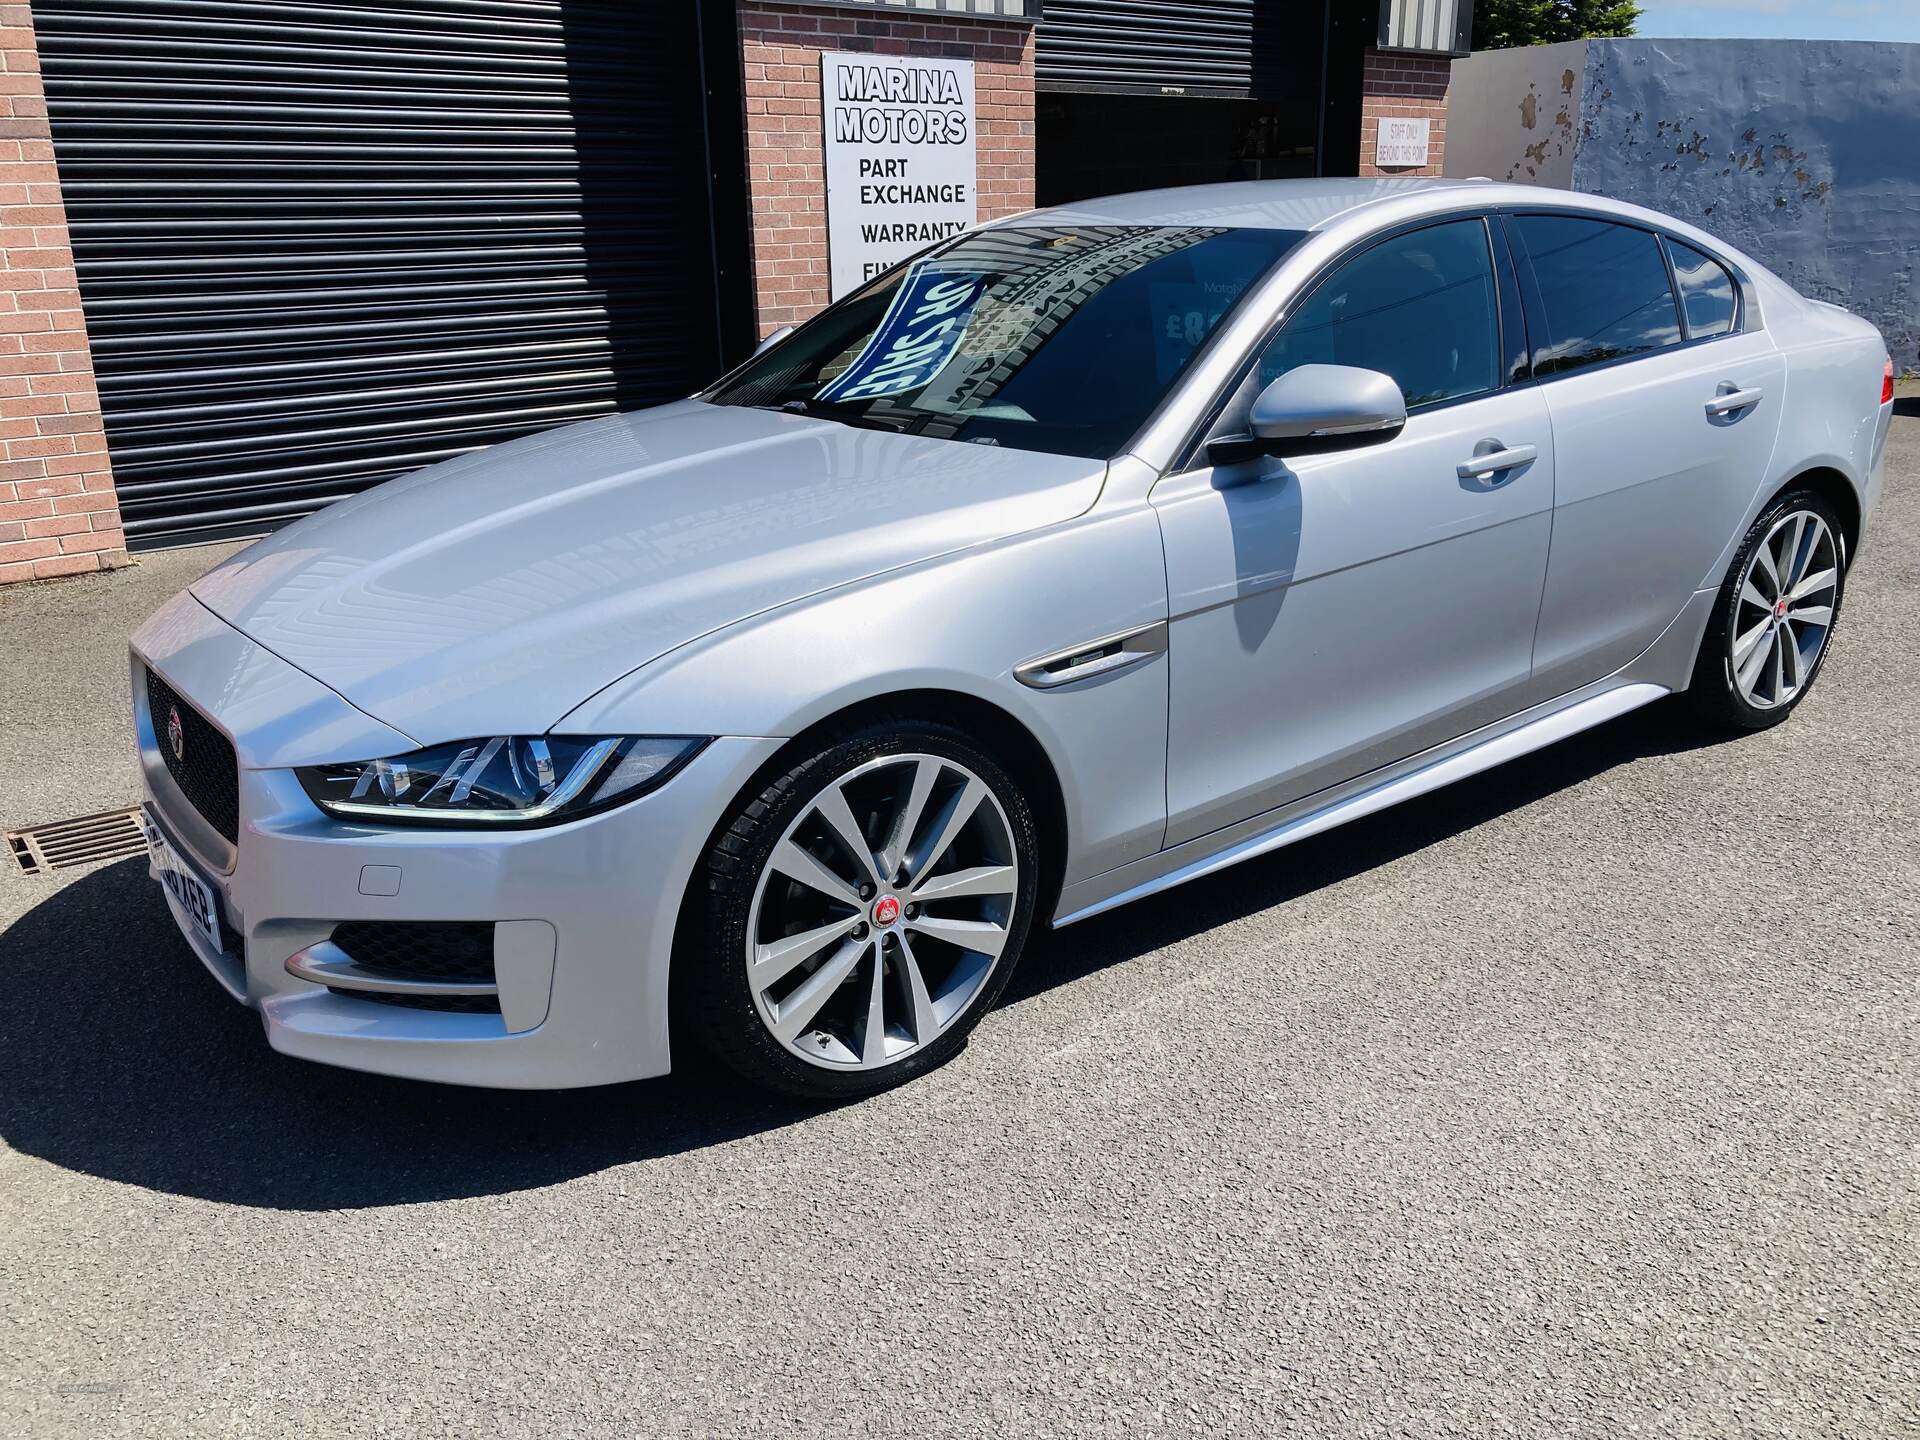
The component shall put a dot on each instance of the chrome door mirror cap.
(773, 339)
(1326, 403)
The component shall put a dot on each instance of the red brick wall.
(786, 176)
(58, 515)
(1404, 85)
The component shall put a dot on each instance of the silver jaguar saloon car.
(1087, 553)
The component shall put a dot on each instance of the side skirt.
(1363, 796)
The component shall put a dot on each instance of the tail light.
(1886, 383)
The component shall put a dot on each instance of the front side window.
(1419, 307)
(1604, 289)
(1706, 291)
(1059, 338)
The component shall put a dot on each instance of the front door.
(1337, 612)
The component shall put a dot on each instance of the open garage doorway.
(1142, 94)
(1102, 144)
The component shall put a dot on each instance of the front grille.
(422, 950)
(203, 765)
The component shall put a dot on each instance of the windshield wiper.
(845, 412)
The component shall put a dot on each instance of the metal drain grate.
(110, 835)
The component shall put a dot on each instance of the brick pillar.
(786, 176)
(58, 515)
(1414, 86)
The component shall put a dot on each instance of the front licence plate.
(194, 895)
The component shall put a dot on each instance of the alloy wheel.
(1785, 610)
(881, 912)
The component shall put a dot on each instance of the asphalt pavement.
(1579, 1100)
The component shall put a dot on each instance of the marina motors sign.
(899, 159)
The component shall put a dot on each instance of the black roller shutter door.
(1187, 47)
(321, 244)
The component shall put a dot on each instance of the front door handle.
(1729, 399)
(1494, 461)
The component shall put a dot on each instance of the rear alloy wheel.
(1775, 616)
(864, 913)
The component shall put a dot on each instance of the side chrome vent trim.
(1108, 655)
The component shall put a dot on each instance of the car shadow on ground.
(120, 1057)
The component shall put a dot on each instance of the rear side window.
(1604, 288)
(1706, 291)
(1419, 307)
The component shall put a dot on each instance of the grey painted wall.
(1804, 153)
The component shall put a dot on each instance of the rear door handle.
(1730, 400)
(1494, 461)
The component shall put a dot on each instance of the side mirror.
(1318, 407)
(772, 340)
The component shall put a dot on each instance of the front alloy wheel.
(882, 911)
(863, 913)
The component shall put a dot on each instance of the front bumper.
(586, 1005)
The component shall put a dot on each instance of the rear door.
(1337, 612)
(1664, 408)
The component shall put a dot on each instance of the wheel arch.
(1004, 733)
(1838, 491)
(1010, 740)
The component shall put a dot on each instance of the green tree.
(1498, 24)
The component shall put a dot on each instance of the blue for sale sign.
(916, 337)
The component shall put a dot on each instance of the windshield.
(1058, 338)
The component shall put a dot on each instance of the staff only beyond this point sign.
(900, 159)
(1401, 142)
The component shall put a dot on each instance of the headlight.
(505, 781)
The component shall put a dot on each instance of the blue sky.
(1782, 19)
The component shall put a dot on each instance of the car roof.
(1287, 204)
(1350, 207)
(1321, 204)
(1352, 204)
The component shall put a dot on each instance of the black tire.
(1713, 693)
(713, 1002)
